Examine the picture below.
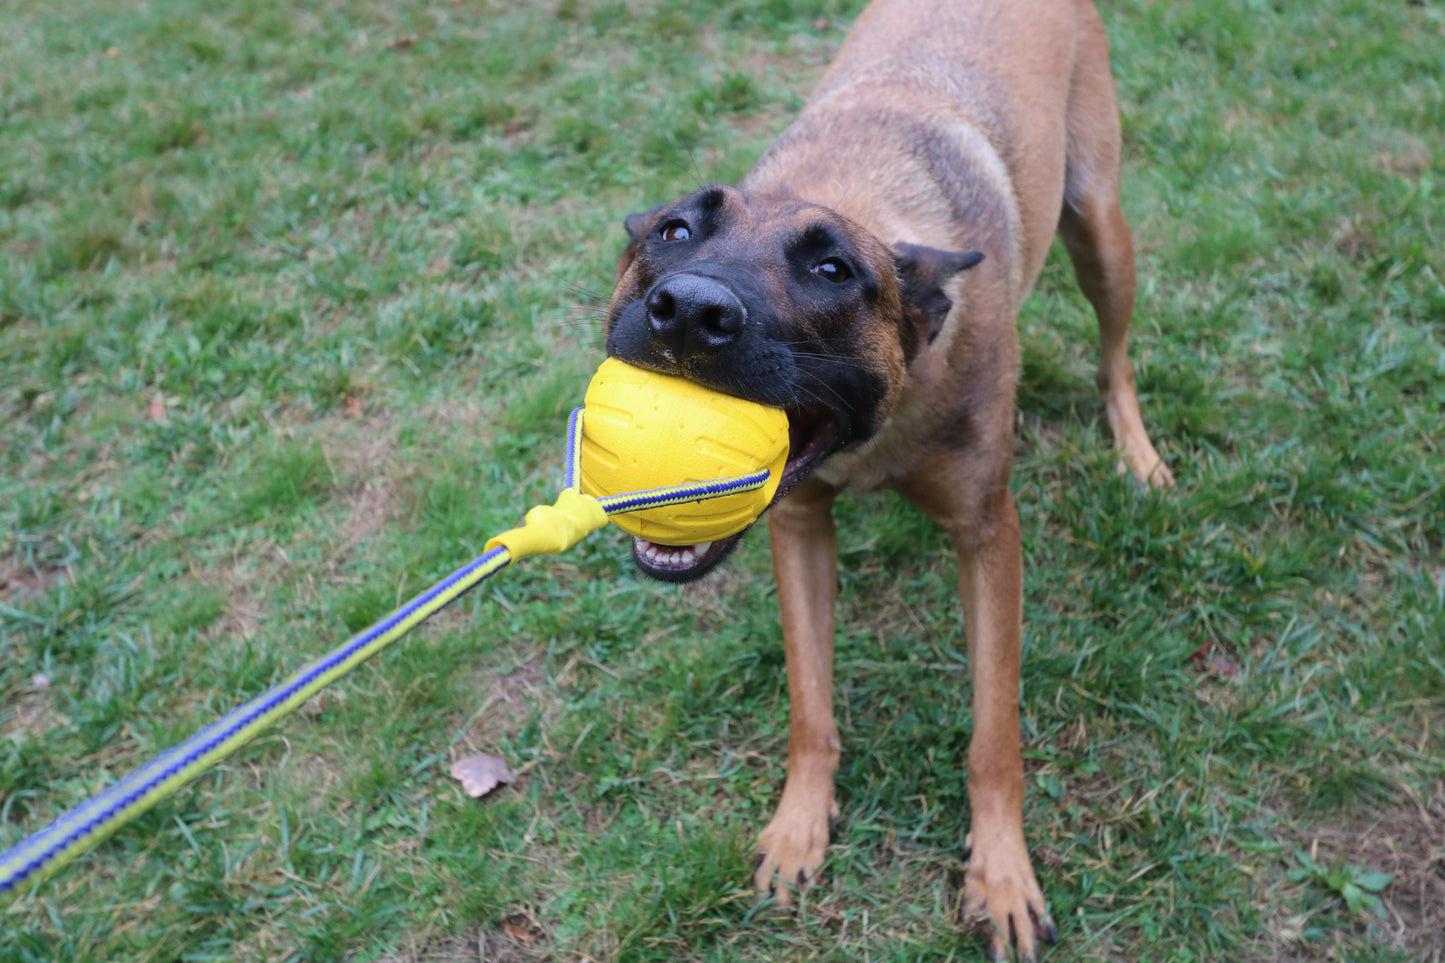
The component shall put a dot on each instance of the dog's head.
(780, 302)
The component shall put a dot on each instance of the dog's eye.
(833, 270)
(675, 231)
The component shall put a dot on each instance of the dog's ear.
(637, 224)
(922, 273)
(637, 227)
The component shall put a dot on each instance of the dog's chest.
(896, 450)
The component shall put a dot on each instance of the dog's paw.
(1153, 473)
(1141, 460)
(1001, 894)
(791, 849)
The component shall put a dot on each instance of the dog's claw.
(793, 847)
(1001, 897)
(1000, 950)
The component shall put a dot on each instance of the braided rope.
(575, 516)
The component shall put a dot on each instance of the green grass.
(361, 282)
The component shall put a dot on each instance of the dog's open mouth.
(814, 433)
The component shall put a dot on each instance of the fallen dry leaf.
(481, 773)
(519, 933)
(519, 928)
(401, 42)
(156, 409)
(112, 52)
(353, 407)
(1205, 658)
(1222, 667)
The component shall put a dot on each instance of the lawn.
(294, 300)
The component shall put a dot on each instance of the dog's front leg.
(805, 558)
(1000, 879)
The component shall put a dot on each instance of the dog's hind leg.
(1102, 248)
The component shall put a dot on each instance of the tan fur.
(961, 125)
(1023, 97)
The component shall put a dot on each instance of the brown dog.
(865, 277)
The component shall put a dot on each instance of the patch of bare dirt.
(363, 458)
(1355, 236)
(519, 937)
(370, 507)
(16, 577)
(1407, 841)
(506, 698)
(463, 415)
(241, 616)
(446, 949)
(1405, 156)
(33, 714)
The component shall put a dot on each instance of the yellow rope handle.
(551, 529)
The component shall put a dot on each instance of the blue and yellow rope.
(547, 529)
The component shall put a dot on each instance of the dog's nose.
(690, 314)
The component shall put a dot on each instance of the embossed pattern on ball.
(642, 430)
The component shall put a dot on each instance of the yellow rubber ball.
(642, 430)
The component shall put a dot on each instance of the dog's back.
(968, 98)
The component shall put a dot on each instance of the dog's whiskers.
(842, 403)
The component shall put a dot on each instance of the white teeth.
(670, 556)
